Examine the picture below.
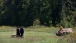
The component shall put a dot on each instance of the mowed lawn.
(33, 34)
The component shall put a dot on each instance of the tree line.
(47, 12)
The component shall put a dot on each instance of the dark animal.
(21, 32)
(17, 32)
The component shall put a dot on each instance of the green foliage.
(49, 12)
(67, 19)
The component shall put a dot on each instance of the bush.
(68, 38)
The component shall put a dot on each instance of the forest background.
(38, 12)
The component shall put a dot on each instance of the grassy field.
(33, 34)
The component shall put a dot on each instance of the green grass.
(35, 34)
(29, 37)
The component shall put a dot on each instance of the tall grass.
(35, 34)
(29, 37)
(71, 38)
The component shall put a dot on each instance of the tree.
(66, 15)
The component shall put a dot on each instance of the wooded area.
(46, 12)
